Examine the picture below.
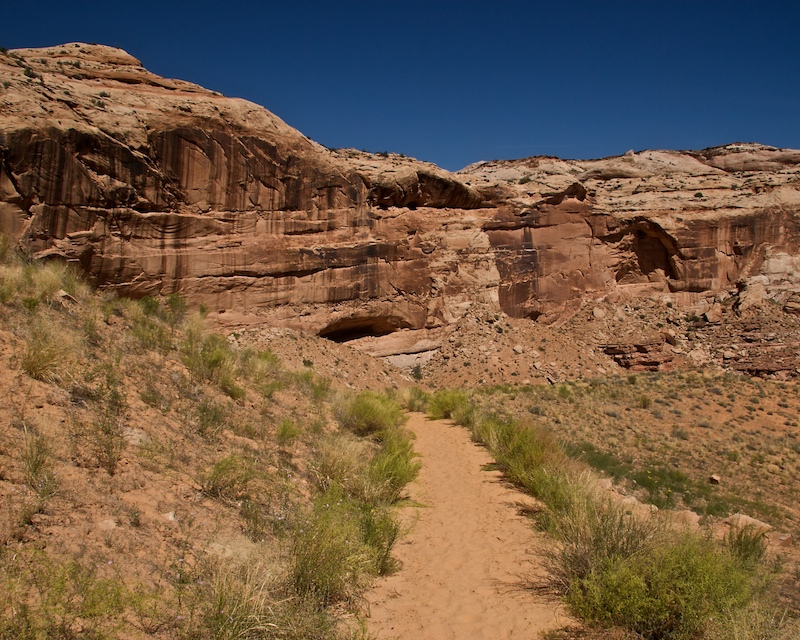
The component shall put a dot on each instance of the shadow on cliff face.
(651, 254)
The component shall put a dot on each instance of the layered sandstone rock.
(156, 186)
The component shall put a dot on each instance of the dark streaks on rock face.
(162, 186)
(219, 171)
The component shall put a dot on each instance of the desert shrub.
(329, 558)
(209, 418)
(46, 353)
(229, 478)
(36, 463)
(316, 385)
(35, 283)
(342, 459)
(380, 531)
(245, 597)
(67, 600)
(444, 402)
(393, 467)
(106, 429)
(151, 333)
(592, 532)
(373, 475)
(412, 399)
(756, 622)
(228, 384)
(369, 414)
(662, 484)
(151, 395)
(529, 455)
(210, 357)
(287, 432)
(262, 369)
(155, 321)
(256, 520)
(747, 543)
(10, 282)
(669, 593)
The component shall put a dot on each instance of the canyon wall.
(155, 186)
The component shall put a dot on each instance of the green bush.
(329, 556)
(444, 402)
(287, 432)
(747, 543)
(671, 592)
(394, 466)
(369, 414)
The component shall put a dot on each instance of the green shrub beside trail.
(616, 568)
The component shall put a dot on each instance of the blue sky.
(457, 82)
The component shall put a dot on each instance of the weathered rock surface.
(156, 186)
(650, 354)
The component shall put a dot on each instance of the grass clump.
(349, 534)
(444, 402)
(317, 386)
(209, 418)
(330, 558)
(246, 598)
(209, 356)
(69, 600)
(36, 463)
(229, 478)
(287, 432)
(393, 467)
(369, 414)
(413, 399)
(748, 544)
(46, 353)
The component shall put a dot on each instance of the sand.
(470, 557)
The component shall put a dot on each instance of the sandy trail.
(468, 556)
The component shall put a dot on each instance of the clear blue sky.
(456, 82)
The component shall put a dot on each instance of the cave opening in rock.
(651, 259)
(355, 328)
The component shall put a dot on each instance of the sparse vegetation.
(621, 568)
(156, 404)
(264, 498)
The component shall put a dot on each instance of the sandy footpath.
(468, 555)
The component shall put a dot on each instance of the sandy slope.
(468, 556)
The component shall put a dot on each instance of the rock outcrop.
(157, 186)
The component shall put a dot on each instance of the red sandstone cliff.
(155, 186)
